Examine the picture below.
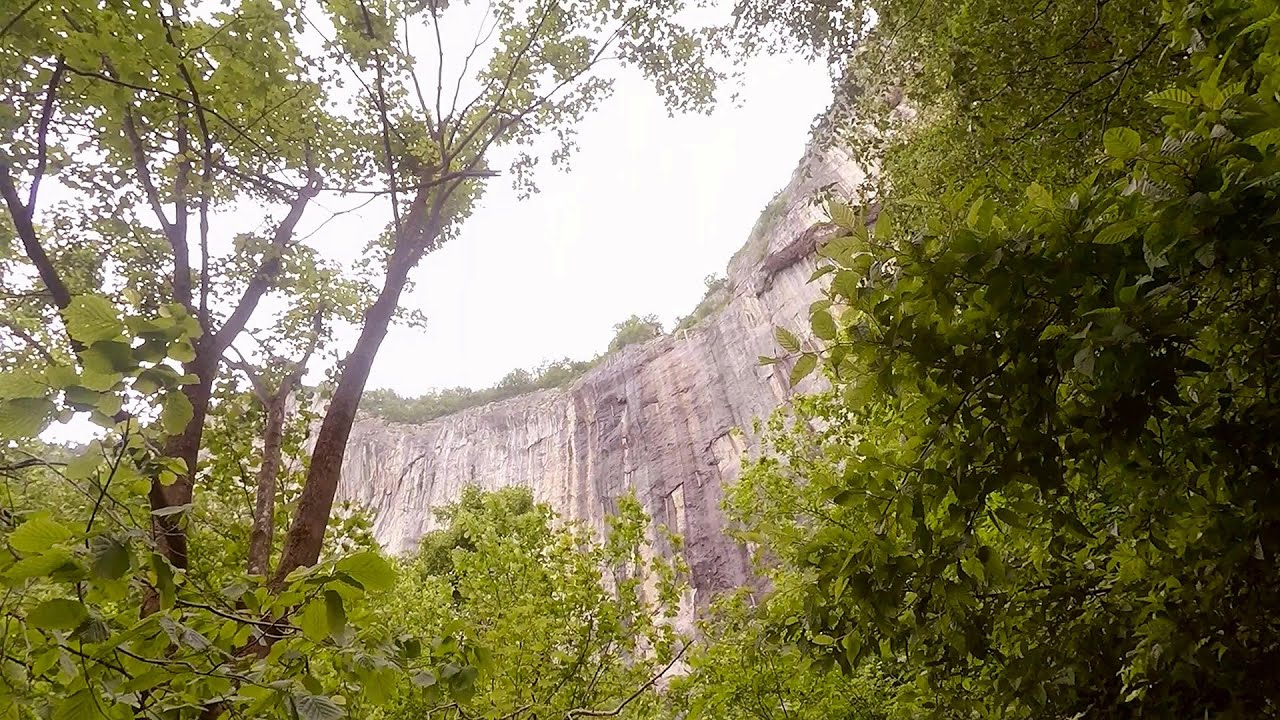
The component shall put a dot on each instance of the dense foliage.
(571, 624)
(1043, 482)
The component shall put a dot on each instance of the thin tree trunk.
(303, 542)
(171, 538)
(261, 536)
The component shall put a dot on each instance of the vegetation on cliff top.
(390, 405)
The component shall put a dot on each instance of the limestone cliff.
(654, 417)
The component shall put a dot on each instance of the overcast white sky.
(651, 206)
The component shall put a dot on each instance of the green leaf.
(24, 417)
(83, 465)
(370, 570)
(176, 413)
(314, 621)
(824, 326)
(786, 340)
(110, 558)
(884, 226)
(42, 565)
(84, 705)
(1116, 233)
(1122, 143)
(91, 318)
(1052, 331)
(1172, 98)
(334, 612)
(22, 384)
(38, 534)
(842, 215)
(1040, 197)
(822, 639)
(846, 283)
(107, 357)
(316, 707)
(58, 614)
(803, 367)
(182, 351)
(164, 580)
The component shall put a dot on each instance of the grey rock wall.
(654, 418)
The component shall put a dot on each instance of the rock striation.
(654, 418)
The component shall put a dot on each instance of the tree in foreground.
(134, 132)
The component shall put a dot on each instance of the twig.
(585, 712)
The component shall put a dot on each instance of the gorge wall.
(655, 417)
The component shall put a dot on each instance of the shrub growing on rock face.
(635, 329)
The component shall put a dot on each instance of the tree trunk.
(260, 537)
(171, 538)
(303, 542)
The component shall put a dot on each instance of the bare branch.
(506, 84)
(584, 712)
(21, 217)
(139, 152)
(466, 63)
(381, 101)
(42, 132)
(265, 275)
(435, 23)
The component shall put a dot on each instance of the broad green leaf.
(41, 565)
(91, 318)
(176, 412)
(824, 326)
(1116, 232)
(1172, 98)
(370, 570)
(22, 384)
(24, 417)
(1040, 197)
(58, 614)
(84, 465)
(110, 557)
(804, 366)
(1053, 331)
(38, 534)
(314, 621)
(884, 226)
(316, 707)
(182, 351)
(846, 284)
(1122, 143)
(842, 215)
(107, 357)
(83, 705)
(335, 613)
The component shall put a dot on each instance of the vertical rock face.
(655, 418)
